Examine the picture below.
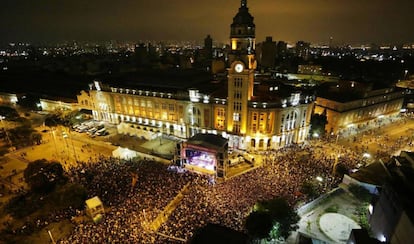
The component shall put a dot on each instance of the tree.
(19, 136)
(36, 138)
(259, 224)
(29, 101)
(318, 123)
(22, 205)
(42, 176)
(360, 192)
(52, 120)
(9, 113)
(341, 169)
(281, 213)
(309, 189)
(71, 195)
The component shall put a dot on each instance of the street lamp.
(5, 130)
(73, 147)
(54, 141)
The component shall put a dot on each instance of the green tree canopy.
(281, 213)
(24, 136)
(71, 195)
(318, 123)
(43, 176)
(309, 189)
(360, 192)
(259, 224)
(341, 169)
(9, 113)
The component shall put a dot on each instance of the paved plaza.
(337, 227)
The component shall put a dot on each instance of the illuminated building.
(208, 46)
(408, 86)
(349, 103)
(309, 69)
(57, 104)
(251, 115)
(8, 99)
(303, 49)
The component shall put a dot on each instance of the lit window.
(236, 116)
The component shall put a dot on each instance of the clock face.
(238, 68)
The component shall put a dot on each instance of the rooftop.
(208, 141)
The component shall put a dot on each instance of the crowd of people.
(135, 192)
(129, 206)
(132, 207)
(230, 202)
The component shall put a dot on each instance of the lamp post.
(54, 140)
(51, 237)
(65, 136)
(5, 130)
(73, 147)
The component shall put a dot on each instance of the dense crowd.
(230, 202)
(131, 208)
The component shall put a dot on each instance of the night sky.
(351, 21)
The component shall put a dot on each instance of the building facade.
(8, 99)
(348, 104)
(392, 217)
(251, 116)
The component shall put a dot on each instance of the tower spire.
(244, 3)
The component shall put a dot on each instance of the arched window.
(253, 143)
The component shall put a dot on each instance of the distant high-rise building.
(281, 49)
(303, 49)
(266, 53)
(208, 46)
(141, 53)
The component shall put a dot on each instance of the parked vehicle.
(100, 132)
(91, 131)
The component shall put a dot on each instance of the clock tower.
(243, 37)
(241, 71)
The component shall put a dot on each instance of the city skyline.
(347, 22)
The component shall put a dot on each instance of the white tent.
(124, 153)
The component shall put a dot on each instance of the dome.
(243, 17)
(243, 25)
